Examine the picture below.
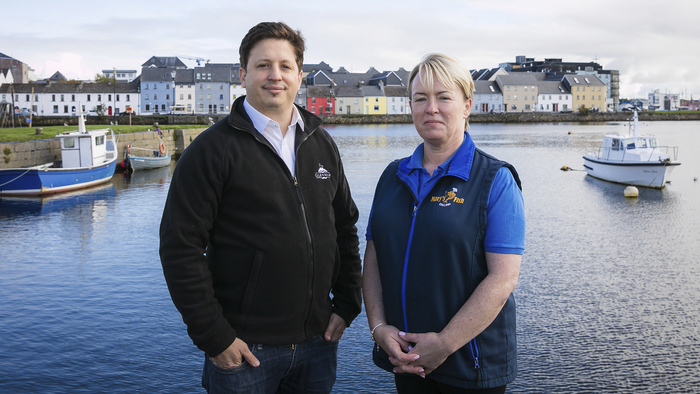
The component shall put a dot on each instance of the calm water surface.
(608, 298)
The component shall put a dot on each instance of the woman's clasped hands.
(418, 354)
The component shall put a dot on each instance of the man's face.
(271, 77)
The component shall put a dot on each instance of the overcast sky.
(654, 44)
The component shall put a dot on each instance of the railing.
(604, 153)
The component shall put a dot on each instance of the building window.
(146, 96)
(145, 87)
(99, 97)
(208, 96)
(72, 97)
(55, 109)
(515, 97)
(376, 108)
(148, 107)
(167, 86)
(209, 86)
(514, 107)
(162, 107)
(182, 96)
(65, 109)
(155, 97)
(313, 109)
(221, 87)
(313, 100)
(221, 97)
(167, 96)
(376, 99)
(525, 88)
(117, 97)
(128, 97)
(527, 106)
(201, 107)
(88, 97)
(53, 97)
(201, 97)
(27, 98)
(61, 97)
(189, 96)
(199, 76)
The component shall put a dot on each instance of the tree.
(101, 78)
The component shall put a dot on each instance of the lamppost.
(172, 110)
(114, 97)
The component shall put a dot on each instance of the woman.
(444, 244)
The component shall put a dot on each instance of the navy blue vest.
(426, 283)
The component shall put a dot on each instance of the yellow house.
(374, 100)
(587, 91)
(520, 92)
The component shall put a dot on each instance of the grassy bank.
(20, 134)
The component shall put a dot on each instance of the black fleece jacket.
(250, 251)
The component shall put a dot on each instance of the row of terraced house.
(166, 85)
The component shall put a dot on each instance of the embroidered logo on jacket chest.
(448, 198)
(322, 173)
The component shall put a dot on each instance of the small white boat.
(146, 155)
(632, 160)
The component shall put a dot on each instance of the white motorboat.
(632, 160)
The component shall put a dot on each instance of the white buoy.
(631, 191)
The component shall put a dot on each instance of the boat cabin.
(84, 149)
(631, 148)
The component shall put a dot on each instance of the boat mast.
(636, 128)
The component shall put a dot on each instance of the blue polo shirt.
(505, 232)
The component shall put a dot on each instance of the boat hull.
(44, 181)
(147, 163)
(645, 174)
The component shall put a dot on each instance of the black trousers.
(414, 384)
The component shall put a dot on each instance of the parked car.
(25, 112)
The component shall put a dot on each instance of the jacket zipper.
(405, 265)
(474, 349)
(307, 230)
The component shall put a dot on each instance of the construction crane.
(197, 59)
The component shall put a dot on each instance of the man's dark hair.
(274, 30)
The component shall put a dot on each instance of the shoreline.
(521, 117)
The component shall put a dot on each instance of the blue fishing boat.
(88, 158)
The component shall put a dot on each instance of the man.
(258, 229)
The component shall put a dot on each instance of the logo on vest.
(447, 199)
(322, 173)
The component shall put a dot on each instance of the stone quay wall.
(37, 152)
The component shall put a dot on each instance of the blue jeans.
(308, 367)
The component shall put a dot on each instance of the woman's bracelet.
(375, 327)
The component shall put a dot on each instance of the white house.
(554, 96)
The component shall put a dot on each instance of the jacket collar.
(459, 165)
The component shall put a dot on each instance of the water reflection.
(608, 296)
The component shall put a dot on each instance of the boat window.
(616, 144)
(652, 143)
(100, 140)
(641, 143)
(69, 142)
(630, 144)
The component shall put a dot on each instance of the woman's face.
(439, 112)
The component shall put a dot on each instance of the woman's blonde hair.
(449, 71)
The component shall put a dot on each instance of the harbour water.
(608, 298)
